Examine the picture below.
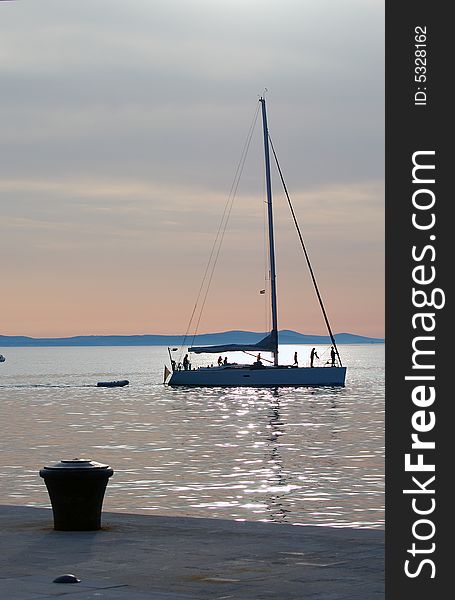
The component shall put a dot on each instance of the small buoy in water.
(68, 578)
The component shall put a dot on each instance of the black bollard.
(76, 490)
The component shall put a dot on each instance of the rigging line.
(266, 259)
(228, 201)
(234, 192)
(321, 304)
(216, 238)
(206, 272)
(255, 355)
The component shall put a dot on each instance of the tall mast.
(274, 332)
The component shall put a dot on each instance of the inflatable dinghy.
(113, 383)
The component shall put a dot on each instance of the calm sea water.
(306, 455)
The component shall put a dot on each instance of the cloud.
(122, 125)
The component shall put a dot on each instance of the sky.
(122, 125)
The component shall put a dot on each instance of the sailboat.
(259, 374)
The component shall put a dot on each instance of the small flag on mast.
(262, 292)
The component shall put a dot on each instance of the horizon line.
(78, 335)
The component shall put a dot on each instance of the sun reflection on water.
(310, 456)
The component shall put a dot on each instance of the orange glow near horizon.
(133, 270)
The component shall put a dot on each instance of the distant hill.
(286, 336)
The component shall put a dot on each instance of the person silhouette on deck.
(258, 364)
(225, 362)
(313, 355)
(332, 356)
(186, 362)
(220, 361)
(296, 362)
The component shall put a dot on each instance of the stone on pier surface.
(140, 557)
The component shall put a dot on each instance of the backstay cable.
(321, 304)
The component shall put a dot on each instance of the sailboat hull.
(265, 377)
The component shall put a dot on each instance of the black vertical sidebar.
(419, 255)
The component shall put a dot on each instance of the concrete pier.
(137, 557)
